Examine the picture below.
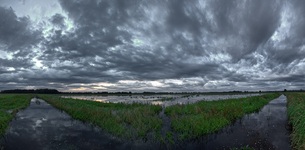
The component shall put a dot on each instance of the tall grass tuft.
(296, 114)
(9, 105)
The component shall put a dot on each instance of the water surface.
(267, 129)
(42, 127)
(159, 99)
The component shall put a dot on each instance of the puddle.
(41, 126)
(267, 129)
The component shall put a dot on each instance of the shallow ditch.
(41, 126)
(267, 129)
(168, 136)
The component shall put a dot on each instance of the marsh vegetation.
(194, 120)
(9, 105)
(162, 124)
(162, 99)
(143, 121)
(296, 114)
(130, 121)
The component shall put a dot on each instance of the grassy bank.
(296, 114)
(130, 121)
(195, 120)
(9, 105)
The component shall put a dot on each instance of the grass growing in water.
(165, 99)
(131, 121)
(9, 105)
(195, 120)
(296, 114)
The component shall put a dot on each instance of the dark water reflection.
(41, 126)
(267, 129)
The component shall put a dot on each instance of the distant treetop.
(36, 91)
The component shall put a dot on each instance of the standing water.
(267, 129)
(41, 126)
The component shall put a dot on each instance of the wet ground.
(42, 127)
(196, 98)
(267, 129)
(164, 100)
(123, 99)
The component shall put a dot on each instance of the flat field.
(123, 120)
(194, 120)
(146, 121)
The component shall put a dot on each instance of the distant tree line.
(35, 91)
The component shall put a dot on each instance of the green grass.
(296, 114)
(132, 121)
(9, 105)
(195, 120)
(141, 121)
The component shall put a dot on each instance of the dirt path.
(41, 126)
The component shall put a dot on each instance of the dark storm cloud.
(17, 40)
(250, 25)
(230, 44)
(58, 20)
(15, 32)
(98, 29)
(288, 52)
(16, 63)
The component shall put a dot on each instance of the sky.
(152, 45)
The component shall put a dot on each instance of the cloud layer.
(156, 45)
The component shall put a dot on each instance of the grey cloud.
(297, 78)
(15, 32)
(190, 29)
(58, 20)
(17, 38)
(16, 63)
(137, 63)
(234, 43)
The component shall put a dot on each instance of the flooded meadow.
(244, 121)
(267, 129)
(163, 100)
(41, 126)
